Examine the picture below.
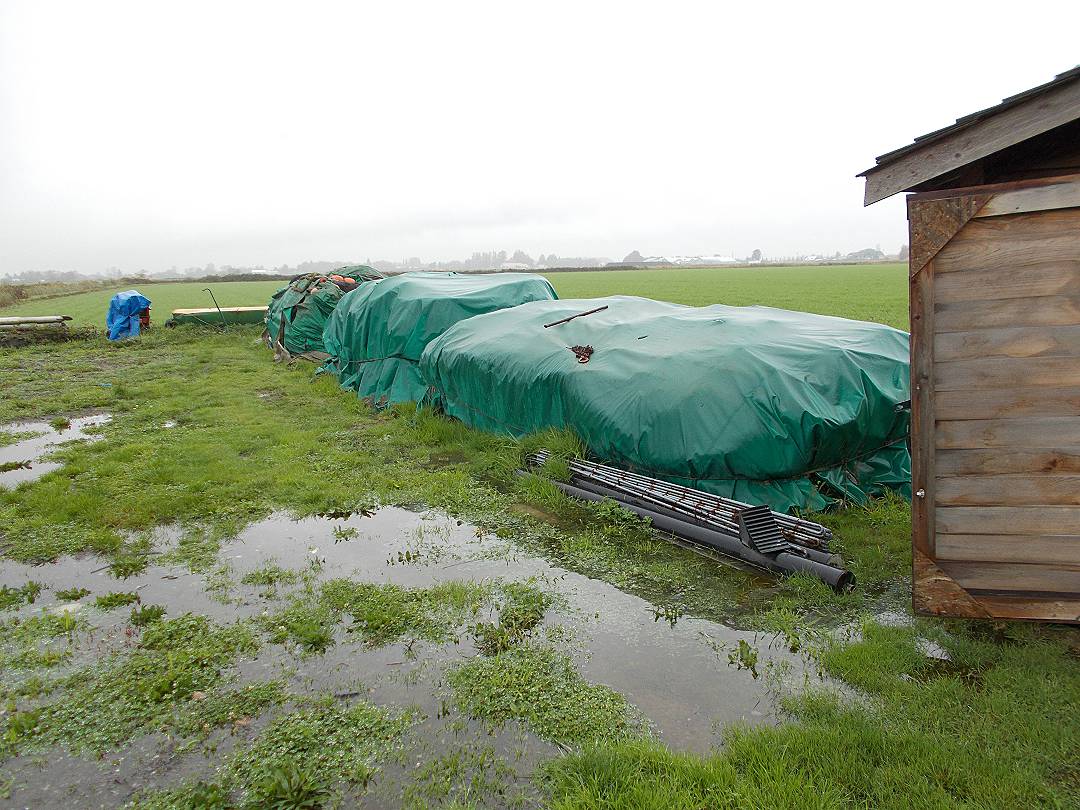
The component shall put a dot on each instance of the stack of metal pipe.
(719, 523)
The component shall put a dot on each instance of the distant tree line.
(479, 261)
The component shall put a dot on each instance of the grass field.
(207, 673)
(867, 292)
(90, 308)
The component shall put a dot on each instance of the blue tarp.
(123, 318)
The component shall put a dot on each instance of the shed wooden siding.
(995, 321)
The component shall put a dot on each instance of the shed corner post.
(921, 314)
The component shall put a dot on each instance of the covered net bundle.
(299, 310)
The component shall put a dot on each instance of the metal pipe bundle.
(711, 511)
(706, 519)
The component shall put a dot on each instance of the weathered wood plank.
(1007, 403)
(933, 592)
(1040, 279)
(966, 316)
(1008, 490)
(932, 223)
(1005, 186)
(922, 409)
(1009, 548)
(1040, 520)
(1065, 194)
(1058, 578)
(1019, 242)
(1054, 108)
(994, 372)
(1047, 609)
(1019, 341)
(1065, 460)
(1027, 433)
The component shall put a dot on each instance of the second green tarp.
(377, 333)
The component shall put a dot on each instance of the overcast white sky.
(144, 135)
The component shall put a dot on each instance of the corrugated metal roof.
(974, 118)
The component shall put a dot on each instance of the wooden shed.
(995, 356)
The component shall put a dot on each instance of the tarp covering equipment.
(761, 405)
(124, 310)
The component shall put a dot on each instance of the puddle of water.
(29, 452)
(667, 669)
(540, 514)
(437, 461)
(666, 665)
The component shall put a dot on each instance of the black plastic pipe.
(838, 579)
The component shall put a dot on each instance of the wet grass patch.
(465, 776)
(270, 575)
(539, 686)
(35, 642)
(151, 687)
(521, 607)
(378, 614)
(8, 437)
(13, 598)
(303, 759)
(145, 615)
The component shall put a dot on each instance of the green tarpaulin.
(759, 404)
(298, 311)
(377, 333)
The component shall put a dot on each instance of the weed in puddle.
(146, 615)
(343, 534)
(116, 599)
(271, 575)
(72, 594)
(27, 594)
(522, 607)
(289, 786)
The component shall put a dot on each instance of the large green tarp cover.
(759, 404)
(377, 333)
(298, 311)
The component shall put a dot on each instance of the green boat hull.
(215, 317)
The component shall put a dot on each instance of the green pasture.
(865, 292)
(90, 308)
